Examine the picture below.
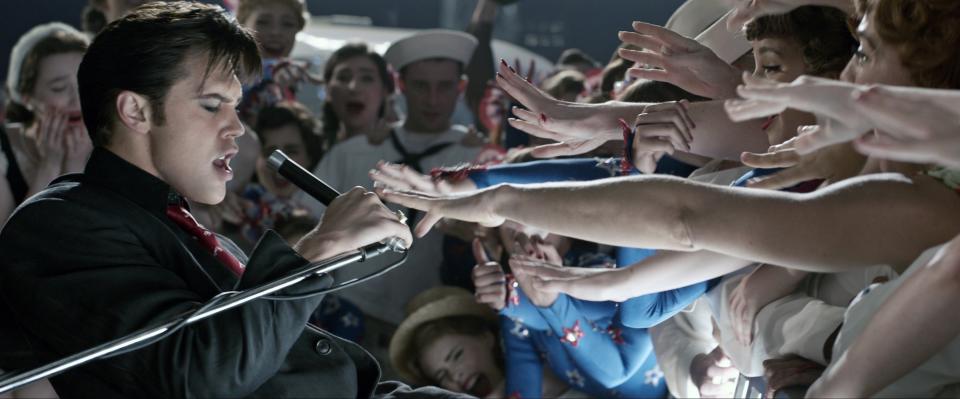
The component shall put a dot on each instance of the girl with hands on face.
(45, 125)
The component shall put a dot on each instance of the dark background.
(546, 27)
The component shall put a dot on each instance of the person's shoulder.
(68, 198)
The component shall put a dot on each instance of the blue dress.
(584, 343)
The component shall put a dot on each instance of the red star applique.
(616, 334)
(513, 298)
(572, 335)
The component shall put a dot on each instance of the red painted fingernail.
(511, 69)
(504, 62)
(543, 117)
(500, 76)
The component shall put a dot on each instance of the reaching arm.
(583, 127)
(663, 271)
(749, 224)
(678, 60)
(669, 213)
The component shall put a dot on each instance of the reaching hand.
(400, 177)
(538, 297)
(714, 375)
(913, 129)
(489, 280)
(830, 100)
(353, 220)
(578, 128)
(788, 372)
(592, 284)
(670, 57)
(763, 285)
(832, 164)
(476, 206)
(661, 129)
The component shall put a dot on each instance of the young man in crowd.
(431, 67)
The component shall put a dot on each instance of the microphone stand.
(11, 381)
(312, 186)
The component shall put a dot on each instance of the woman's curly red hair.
(925, 34)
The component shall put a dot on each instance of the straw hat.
(705, 21)
(433, 304)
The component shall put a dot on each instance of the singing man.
(104, 253)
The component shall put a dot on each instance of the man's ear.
(134, 111)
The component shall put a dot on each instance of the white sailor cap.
(695, 16)
(726, 44)
(433, 43)
(705, 20)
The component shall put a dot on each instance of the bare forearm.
(716, 136)
(667, 270)
(601, 210)
(672, 270)
(804, 231)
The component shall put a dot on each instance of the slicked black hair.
(145, 51)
